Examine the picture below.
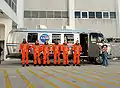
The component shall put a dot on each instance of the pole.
(71, 15)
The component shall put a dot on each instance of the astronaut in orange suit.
(77, 49)
(46, 52)
(65, 50)
(56, 50)
(24, 49)
(37, 49)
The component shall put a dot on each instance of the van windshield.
(96, 37)
(100, 37)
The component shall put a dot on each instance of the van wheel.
(98, 60)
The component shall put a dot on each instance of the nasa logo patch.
(44, 37)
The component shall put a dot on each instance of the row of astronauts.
(45, 48)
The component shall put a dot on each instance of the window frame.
(57, 39)
(32, 39)
(69, 34)
(55, 16)
(75, 15)
(115, 15)
(82, 16)
(63, 14)
(108, 14)
(96, 15)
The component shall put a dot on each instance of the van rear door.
(93, 49)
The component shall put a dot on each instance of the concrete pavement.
(12, 75)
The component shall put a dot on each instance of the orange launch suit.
(24, 50)
(56, 51)
(77, 49)
(37, 50)
(65, 49)
(46, 49)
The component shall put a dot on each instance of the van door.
(84, 43)
(93, 50)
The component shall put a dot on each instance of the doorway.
(2, 46)
(84, 43)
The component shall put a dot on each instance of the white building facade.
(9, 19)
(99, 15)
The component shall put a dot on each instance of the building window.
(98, 14)
(10, 3)
(27, 14)
(15, 1)
(112, 14)
(64, 14)
(50, 14)
(57, 14)
(84, 15)
(6, 1)
(105, 14)
(34, 14)
(42, 14)
(77, 14)
(15, 7)
(91, 14)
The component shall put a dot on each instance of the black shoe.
(73, 64)
(43, 64)
(27, 65)
(34, 65)
(39, 64)
(23, 65)
(78, 65)
(68, 65)
(58, 65)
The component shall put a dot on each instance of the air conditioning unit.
(41, 27)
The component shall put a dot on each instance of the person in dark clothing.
(0, 53)
(105, 55)
(0, 50)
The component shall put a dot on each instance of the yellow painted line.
(47, 81)
(64, 81)
(102, 74)
(108, 82)
(79, 79)
(25, 80)
(8, 84)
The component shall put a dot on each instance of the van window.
(69, 38)
(93, 37)
(56, 37)
(32, 37)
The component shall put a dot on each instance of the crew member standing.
(65, 50)
(77, 50)
(24, 49)
(37, 50)
(56, 50)
(46, 52)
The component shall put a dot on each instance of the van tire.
(98, 60)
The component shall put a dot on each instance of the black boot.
(34, 65)
(39, 64)
(23, 65)
(73, 64)
(27, 65)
